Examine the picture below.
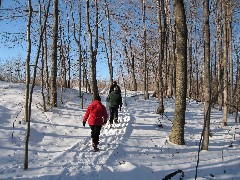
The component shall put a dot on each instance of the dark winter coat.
(96, 113)
(114, 99)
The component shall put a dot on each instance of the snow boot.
(95, 147)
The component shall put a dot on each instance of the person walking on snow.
(96, 115)
(115, 101)
(114, 84)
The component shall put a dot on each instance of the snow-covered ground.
(136, 148)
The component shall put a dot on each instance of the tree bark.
(220, 54)
(177, 133)
(93, 53)
(27, 118)
(160, 109)
(110, 58)
(54, 55)
(230, 50)
(225, 64)
(80, 58)
(133, 66)
(146, 95)
(237, 87)
(207, 90)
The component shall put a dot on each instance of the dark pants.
(95, 132)
(113, 114)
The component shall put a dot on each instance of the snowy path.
(60, 146)
(80, 160)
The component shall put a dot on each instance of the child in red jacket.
(96, 115)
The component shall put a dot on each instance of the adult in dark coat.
(115, 101)
(114, 84)
(96, 115)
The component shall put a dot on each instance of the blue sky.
(20, 25)
(15, 48)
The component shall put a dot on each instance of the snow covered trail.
(60, 147)
(79, 161)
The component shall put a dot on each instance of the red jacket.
(96, 113)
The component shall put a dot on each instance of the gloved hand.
(84, 122)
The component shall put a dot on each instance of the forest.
(173, 48)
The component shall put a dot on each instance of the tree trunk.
(54, 55)
(220, 55)
(196, 62)
(174, 59)
(27, 118)
(93, 54)
(46, 67)
(171, 64)
(160, 109)
(43, 33)
(237, 87)
(110, 66)
(133, 66)
(146, 95)
(177, 133)
(207, 90)
(225, 64)
(68, 54)
(230, 50)
(190, 39)
(80, 59)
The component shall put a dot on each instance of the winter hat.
(114, 82)
(97, 97)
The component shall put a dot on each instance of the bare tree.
(46, 67)
(171, 55)
(93, 53)
(230, 49)
(225, 63)
(207, 89)
(146, 94)
(160, 5)
(78, 41)
(28, 82)
(44, 51)
(110, 57)
(190, 48)
(177, 133)
(54, 55)
(42, 28)
(220, 54)
(237, 86)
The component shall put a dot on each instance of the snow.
(136, 148)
